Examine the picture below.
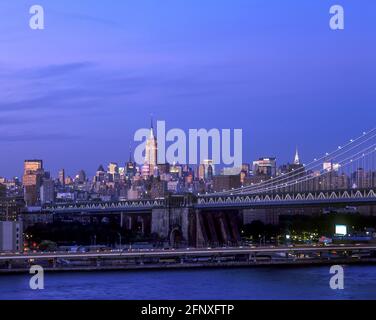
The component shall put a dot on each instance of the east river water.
(307, 283)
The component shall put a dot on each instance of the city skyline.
(295, 158)
(123, 163)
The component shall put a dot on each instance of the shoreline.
(197, 266)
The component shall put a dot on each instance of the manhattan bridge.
(344, 174)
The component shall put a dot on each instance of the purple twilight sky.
(74, 93)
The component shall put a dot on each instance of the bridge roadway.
(188, 252)
(352, 197)
(299, 199)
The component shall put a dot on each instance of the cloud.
(13, 120)
(48, 71)
(57, 70)
(60, 99)
(71, 87)
(29, 136)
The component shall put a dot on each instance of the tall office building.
(113, 168)
(265, 167)
(206, 170)
(62, 177)
(47, 191)
(151, 154)
(113, 172)
(33, 165)
(209, 167)
(295, 166)
(245, 172)
(130, 169)
(100, 174)
(81, 177)
(201, 172)
(210, 173)
(32, 178)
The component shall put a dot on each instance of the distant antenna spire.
(296, 159)
(130, 152)
(151, 126)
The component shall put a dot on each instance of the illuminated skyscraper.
(151, 152)
(113, 172)
(32, 178)
(32, 166)
(209, 170)
(296, 159)
(113, 168)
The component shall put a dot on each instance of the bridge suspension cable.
(303, 170)
(304, 173)
(304, 179)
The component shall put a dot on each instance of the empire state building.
(151, 152)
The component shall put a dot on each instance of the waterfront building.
(11, 236)
(11, 208)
